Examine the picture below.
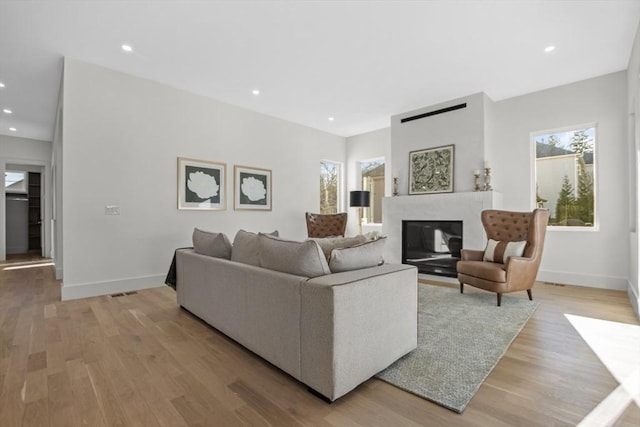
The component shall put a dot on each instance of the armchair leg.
(461, 287)
(499, 299)
(529, 293)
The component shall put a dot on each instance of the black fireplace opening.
(432, 246)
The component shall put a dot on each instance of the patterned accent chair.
(326, 225)
(518, 273)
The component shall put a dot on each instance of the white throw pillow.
(365, 255)
(500, 252)
(300, 258)
(211, 244)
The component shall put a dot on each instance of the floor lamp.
(359, 199)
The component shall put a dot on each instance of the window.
(565, 176)
(329, 187)
(373, 181)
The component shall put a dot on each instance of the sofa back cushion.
(299, 258)
(211, 244)
(327, 244)
(365, 255)
(245, 247)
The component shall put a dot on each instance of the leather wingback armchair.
(519, 272)
(326, 225)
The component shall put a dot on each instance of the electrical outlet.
(112, 210)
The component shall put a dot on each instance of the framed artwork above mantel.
(431, 170)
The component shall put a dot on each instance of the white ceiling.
(357, 61)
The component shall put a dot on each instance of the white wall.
(633, 154)
(28, 152)
(367, 146)
(464, 128)
(121, 139)
(582, 257)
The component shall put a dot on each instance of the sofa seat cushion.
(327, 244)
(211, 244)
(364, 255)
(299, 258)
(492, 271)
(245, 247)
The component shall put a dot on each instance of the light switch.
(112, 210)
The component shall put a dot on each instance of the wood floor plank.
(62, 409)
(141, 360)
(36, 413)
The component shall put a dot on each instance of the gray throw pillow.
(211, 244)
(300, 258)
(245, 247)
(366, 255)
(327, 244)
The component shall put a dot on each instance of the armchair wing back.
(518, 273)
(326, 225)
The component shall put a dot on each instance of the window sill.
(575, 228)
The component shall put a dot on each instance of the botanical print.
(431, 170)
(252, 188)
(201, 184)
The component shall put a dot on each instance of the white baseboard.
(616, 283)
(85, 290)
(603, 282)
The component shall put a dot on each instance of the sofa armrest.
(471, 255)
(355, 324)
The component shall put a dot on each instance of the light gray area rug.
(461, 338)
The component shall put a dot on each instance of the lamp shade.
(359, 199)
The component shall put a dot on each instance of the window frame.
(381, 160)
(534, 174)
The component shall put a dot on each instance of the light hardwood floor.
(140, 360)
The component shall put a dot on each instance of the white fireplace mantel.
(465, 207)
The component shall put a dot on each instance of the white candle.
(486, 164)
(476, 172)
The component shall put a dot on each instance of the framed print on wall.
(252, 188)
(201, 184)
(431, 170)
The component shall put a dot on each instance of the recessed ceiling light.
(7, 111)
(549, 49)
(127, 48)
(1, 84)
(255, 92)
(331, 119)
(13, 129)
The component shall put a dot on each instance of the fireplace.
(432, 246)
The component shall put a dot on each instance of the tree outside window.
(329, 187)
(565, 176)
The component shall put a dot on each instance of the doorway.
(24, 213)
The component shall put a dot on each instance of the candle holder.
(395, 185)
(487, 179)
(476, 181)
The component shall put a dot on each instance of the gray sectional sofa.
(279, 299)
